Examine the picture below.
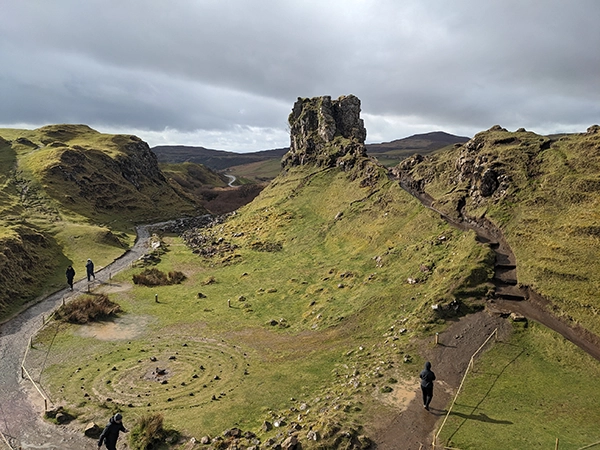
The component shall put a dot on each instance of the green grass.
(548, 210)
(526, 393)
(68, 193)
(192, 176)
(257, 171)
(314, 320)
(333, 292)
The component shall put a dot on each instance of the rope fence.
(45, 320)
(25, 373)
(469, 368)
(6, 440)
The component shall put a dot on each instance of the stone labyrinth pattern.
(169, 376)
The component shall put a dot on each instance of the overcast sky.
(224, 74)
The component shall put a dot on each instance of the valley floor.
(414, 427)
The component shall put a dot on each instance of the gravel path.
(21, 407)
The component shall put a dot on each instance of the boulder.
(290, 443)
(92, 430)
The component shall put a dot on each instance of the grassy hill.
(212, 190)
(306, 316)
(543, 192)
(68, 192)
(390, 153)
(305, 290)
(215, 159)
(311, 308)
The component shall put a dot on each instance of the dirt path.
(415, 427)
(21, 406)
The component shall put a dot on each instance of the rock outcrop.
(325, 132)
(97, 174)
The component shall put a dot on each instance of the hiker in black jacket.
(89, 268)
(70, 274)
(111, 432)
(427, 377)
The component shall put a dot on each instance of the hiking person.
(111, 432)
(70, 273)
(89, 267)
(427, 377)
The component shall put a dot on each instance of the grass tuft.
(154, 277)
(149, 433)
(88, 308)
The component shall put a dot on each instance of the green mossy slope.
(306, 301)
(546, 200)
(68, 192)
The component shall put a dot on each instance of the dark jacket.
(111, 433)
(427, 376)
(90, 267)
(70, 273)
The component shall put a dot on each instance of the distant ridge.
(387, 152)
(215, 159)
(390, 153)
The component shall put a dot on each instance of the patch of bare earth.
(126, 327)
(413, 427)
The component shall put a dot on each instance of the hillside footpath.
(21, 407)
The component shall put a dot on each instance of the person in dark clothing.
(70, 273)
(89, 267)
(111, 432)
(427, 377)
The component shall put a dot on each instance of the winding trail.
(414, 427)
(509, 296)
(232, 179)
(21, 411)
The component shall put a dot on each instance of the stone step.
(509, 292)
(506, 274)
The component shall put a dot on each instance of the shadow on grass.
(482, 417)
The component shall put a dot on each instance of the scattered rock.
(92, 430)
(290, 443)
(515, 317)
(313, 435)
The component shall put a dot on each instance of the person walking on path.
(111, 432)
(427, 377)
(70, 273)
(89, 267)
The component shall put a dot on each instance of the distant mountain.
(388, 153)
(215, 159)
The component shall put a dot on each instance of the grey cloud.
(239, 65)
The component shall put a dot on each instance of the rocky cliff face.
(96, 174)
(325, 132)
